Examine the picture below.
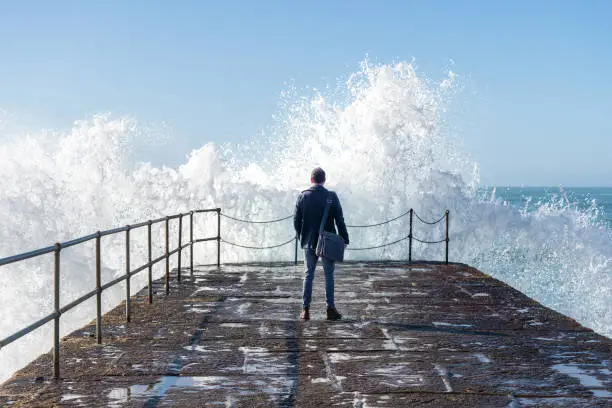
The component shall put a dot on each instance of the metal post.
(56, 328)
(191, 242)
(150, 298)
(447, 215)
(98, 291)
(218, 237)
(410, 238)
(128, 306)
(180, 249)
(167, 279)
(296, 249)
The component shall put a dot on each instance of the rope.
(348, 249)
(348, 226)
(255, 222)
(380, 223)
(379, 246)
(255, 247)
(430, 223)
(429, 242)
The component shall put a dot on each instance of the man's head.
(317, 176)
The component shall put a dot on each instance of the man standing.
(307, 220)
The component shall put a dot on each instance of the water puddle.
(119, 396)
(242, 309)
(335, 358)
(482, 358)
(286, 300)
(344, 334)
(233, 325)
(192, 309)
(444, 324)
(587, 379)
(71, 397)
(275, 385)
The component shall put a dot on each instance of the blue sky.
(535, 109)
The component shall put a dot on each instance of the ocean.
(594, 200)
(383, 139)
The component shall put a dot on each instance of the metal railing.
(410, 237)
(97, 292)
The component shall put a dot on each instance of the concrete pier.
(422, 334)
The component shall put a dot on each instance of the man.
(307, 221)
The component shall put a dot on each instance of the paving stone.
(421, 334)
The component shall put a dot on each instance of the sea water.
(383, 138)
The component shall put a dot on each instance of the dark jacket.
(309, 213)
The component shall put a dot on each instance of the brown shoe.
(333, 314)
(305, 315)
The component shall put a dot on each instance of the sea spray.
(385, 146)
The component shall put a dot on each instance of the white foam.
(390, 122)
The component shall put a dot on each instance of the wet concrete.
(413, 335)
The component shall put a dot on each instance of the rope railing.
(429, 242)
(380, 223)
(348, 225)
(148, 266)
(378, 246)
(258, 247)
(409, 237)
(428, 222)
(255, 222)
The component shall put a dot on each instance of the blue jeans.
(310, 261)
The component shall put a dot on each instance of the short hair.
(318, 175)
